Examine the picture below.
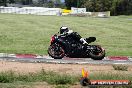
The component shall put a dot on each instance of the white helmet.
(64, 29)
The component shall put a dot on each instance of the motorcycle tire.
(98, 56)
(56, 54)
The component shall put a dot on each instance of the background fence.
(53, 11)
(31, 10)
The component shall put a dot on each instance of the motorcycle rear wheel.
(56, 51)
(97, 55)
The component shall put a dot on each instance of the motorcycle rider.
(66, 31)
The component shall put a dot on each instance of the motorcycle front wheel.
(56, 51)
(98, 53)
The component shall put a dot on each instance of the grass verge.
(49, 77)
(120, 67)
(109, 76)
(13, 80)
(55, 78)
(31, 34)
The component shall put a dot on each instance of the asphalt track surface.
(47, 59)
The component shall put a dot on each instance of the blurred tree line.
(40, 3)
(49, 3)
(117, 7)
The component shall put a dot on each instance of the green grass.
(31, 34)
(30, 85)
(49, 77)
(120, 67)
(58, 79)
(110, 76)
(10, 79)
(17, 85)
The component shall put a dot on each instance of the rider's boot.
(84, 43)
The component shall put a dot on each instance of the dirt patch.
(73, 69)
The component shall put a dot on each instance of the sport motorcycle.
(66, 46)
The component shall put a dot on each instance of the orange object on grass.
(84, 73)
